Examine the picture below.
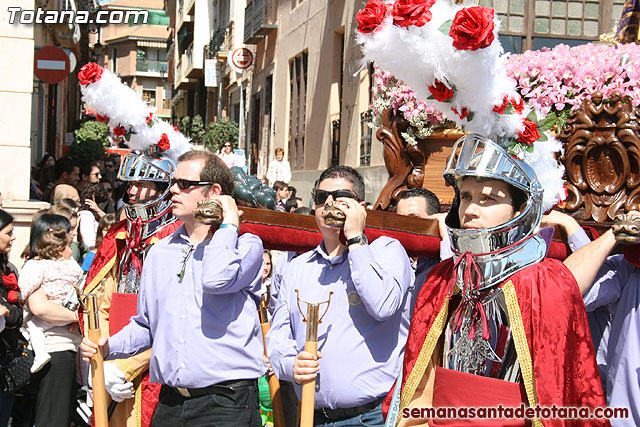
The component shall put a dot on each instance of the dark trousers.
(289, 403)
(6, 403)
(55, 386)
(239, 408)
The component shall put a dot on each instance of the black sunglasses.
(183, 184)
(320, 196)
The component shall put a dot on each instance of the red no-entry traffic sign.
(51, 64)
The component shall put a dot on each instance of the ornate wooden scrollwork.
(404, 162)
(602, 157)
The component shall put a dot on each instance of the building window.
(166, 98)
(366, 133)
(297, 109)
(533, 24)
(114, 61)
(149, 96)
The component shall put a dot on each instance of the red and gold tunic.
(552, 341)
(115, 311)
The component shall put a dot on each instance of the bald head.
(65, 191)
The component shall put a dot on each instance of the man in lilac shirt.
(611, 284)
(362, 334)
(197, 308)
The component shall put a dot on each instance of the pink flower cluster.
(561, 78)
(389, 92)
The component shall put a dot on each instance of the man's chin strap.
(472, 277)
(136, 244)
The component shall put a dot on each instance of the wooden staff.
(309, 387)
(274, 383)
(97, 364)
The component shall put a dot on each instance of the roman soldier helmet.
(156, 145)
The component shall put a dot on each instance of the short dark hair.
(291, 205)
(432, 204)
(279, 185)
(346, 172)
(85, 169)
(214, 170)
(96, 191)
(303, 210)
(64, 164)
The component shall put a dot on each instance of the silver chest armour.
(130, 283)
(495, 357)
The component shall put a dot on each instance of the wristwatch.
(362, 238)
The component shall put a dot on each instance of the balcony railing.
(152, 66)
(259, 19)
(217, 44)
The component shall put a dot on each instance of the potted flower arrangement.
(394, 95)
(556, 81)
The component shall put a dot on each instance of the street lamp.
(97, 49)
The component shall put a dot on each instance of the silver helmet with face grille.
(149, 166)
(506, 248)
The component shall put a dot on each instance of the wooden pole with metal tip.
(274, 383)
(308, 400)
(97, 364)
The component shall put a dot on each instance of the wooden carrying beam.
(294, 232)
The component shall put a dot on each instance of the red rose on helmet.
(164, 144)
(372, 16)
(149, 118)
(472, 28)
(530, 132)
(412, 12)
(463, 114)
(90, 73)
(102, 119)
(518, 106)
(89, 112)
(440, 91)
(500, 108)
(119, 131)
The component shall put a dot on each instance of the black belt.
(345, 413)
(226, 387)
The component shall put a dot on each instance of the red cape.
(556, 329)
(112, 247)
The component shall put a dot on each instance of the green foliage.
(220, 132)
(184, 125)
(197, 130)
(90, 140)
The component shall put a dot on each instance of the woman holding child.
(47, 280)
